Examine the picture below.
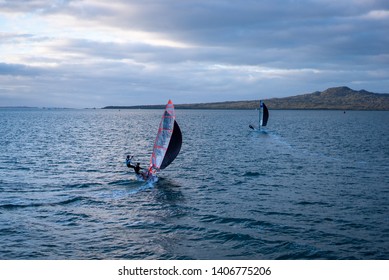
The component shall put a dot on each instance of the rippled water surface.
(314, 185)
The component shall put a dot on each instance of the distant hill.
(337, 98)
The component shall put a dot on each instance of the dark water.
(315, 186)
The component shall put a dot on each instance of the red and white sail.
(168, 142)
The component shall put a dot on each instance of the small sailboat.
(263, 116)
(167, 144)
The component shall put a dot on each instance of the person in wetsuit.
(136, 167)
(128, 161)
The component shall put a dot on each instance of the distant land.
(337, 98)
(34, 108)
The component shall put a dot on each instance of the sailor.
(144, 174)
(137, 168)
(128, 161)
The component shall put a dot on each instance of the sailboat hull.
(149, 178)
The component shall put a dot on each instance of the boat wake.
(259, 131)
(133, 187)
(150, 180)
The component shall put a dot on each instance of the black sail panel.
(174, 146)
(265, 115)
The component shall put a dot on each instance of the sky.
(96, 53)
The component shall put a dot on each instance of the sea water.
(311, 185)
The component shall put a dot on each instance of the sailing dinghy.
(167, 144)
(263, 116)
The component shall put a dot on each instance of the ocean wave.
(10, 206)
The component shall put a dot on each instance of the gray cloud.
(141, 52)
(18, 70)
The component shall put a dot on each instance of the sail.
(173, 148)
(264, 114)
(168, 142)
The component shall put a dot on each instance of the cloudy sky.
(94, 53)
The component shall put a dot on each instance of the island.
(336, 98)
